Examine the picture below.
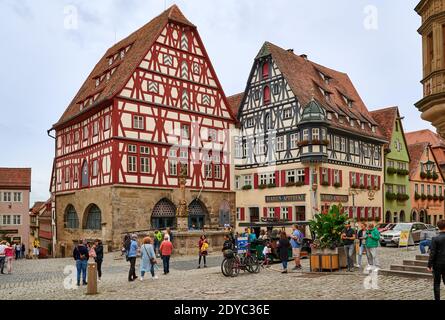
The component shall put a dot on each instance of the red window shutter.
(379, 183)
(351, 213)
(266, 95)
(283, 178)
(372, 182)
(277, 178)
(289, 213)
(265, 212)
(242, 214)
(366, 212)
(265, 70)
(321, 175)
(350, 178)
(373, 213)
(255, 181)
(366, 180)
(340, 173)
(277, 212)
(306, 176)
(380, 212)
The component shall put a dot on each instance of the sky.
(50, 46)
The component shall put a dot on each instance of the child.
(267, 250)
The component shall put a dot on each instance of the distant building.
(15, 187)
(396, 203)
(432, 31)
(41, 230)
(427, 185)
(437, 144)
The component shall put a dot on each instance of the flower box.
(262, 186)
(303, 143)
(247, 187)
(391, 171)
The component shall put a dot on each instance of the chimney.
(290, 50)
(304, 56)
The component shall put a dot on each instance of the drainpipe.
(53, 210)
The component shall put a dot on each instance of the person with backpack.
(81, 255)
(296, 242)
(203, 245)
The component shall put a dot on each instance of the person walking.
(35, 253)
(166, 249)
(436, 261)
(361, 236)
(126, 244)
(18, 251)
(23, 256)
(348, 238)
(372, 243)
(203, 246)
(283, 245)
(2, 256)
(131, 256)
(170, 234)
(99, 250)
(157, 241)
(80, 255)
(296, 241)
(148, 259)
(9, 255)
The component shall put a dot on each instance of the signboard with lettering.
(334, 198)
(286, 198)
(406, 238)
(241, 244)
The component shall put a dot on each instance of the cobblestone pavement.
(44, 279)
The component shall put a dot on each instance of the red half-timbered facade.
(152, 106)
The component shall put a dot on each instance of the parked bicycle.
(234, 262)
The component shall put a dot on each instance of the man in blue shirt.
(295, 242)
(132, 254)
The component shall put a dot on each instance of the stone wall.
(128, 210)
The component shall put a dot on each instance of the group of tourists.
(10, 252)
(82, 253)
(158, 246)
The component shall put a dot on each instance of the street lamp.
(429, 165)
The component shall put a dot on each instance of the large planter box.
(329, 259)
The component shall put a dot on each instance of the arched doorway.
(224, 214)
(422, 216)
(197, 215)
(388, 217)
(71, 219)
(402, 216)
(395, 218)
(85, 176)
(414, 216)
(163, 215)
(93, 218)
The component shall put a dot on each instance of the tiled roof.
(305, 81)
(235, 102)
(425, 136)
(15, 178)
(140, 41)
(37, 206)
(386, 119)
(415, 152)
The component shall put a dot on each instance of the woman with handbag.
(203, 245)
(148, 259)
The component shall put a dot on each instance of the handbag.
(152, 259)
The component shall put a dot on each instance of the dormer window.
(325, 78)
(374, 129)
(349, 103)
(110, 61)
(329, 116)
(97, 82)
(352, 123)
(363, 126)
(108, 76)
(122, 54)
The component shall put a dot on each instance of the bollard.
(92, 278)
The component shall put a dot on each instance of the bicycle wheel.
(227, 267)
(235, 267)
(252, 264)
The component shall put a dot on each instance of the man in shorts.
(296, 241)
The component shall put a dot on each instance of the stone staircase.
(410, 268)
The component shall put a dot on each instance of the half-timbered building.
(151, 108)
(306, 141)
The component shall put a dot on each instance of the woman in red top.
(203, 245)
(9, 254)
(166, 249)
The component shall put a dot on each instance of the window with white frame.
(172, 163)
(351, 146)
(6, 219)
(336, 176)
(67, 174)
(213, 135)
(369, 180)
(16, 219)
(250, 122)
(145, 150)
(17, 197)
(138, 122)
(217, 170)
(185, 131)
(132, 148)
(362, 179)
(261, 147)
(290, 176)
(238, 150)
(145, 165)
(354, 179)
(95, 128)
(76, 136)
(247, 180)
(95, 168)
(270, 212)
(315, 134)
(305, 134)
(184, 160)
(376, 181)
(238, 214)
(284, 213)
(357, 149)
(264, 178)
(300, 175)
(85, 132)
(294, 140)
(207, 169)
(337, 143)
(132, 164)
(76, 173)
(237, 182)
(325, 175)
(287, 113)
(280, 143)
(343, 145)
(107, 122)
(244, 149)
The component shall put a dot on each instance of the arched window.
(197, 215)
(414, 216)
(265, 70)
(93, 218)
(266, 95)
(402, 216)
(163, 215)
(71, 218)
(85, 176)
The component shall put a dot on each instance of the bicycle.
(234, 262)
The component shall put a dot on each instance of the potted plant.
(435, 197)
(423, 197)
(271, 185)
(316, 141)
(362, 186)
(390, 196)
(326, 142)
(435, 176)
(423, 175)
(262, 186)
(290, 184)
(429, 197)
(299, 183)
(327, 229)
(325, 183)
(247, 187)
(303, 143)
(391, 171)
(441, 198)
(429, 176)
(337, 185)
(417, 196)
(354, 186)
